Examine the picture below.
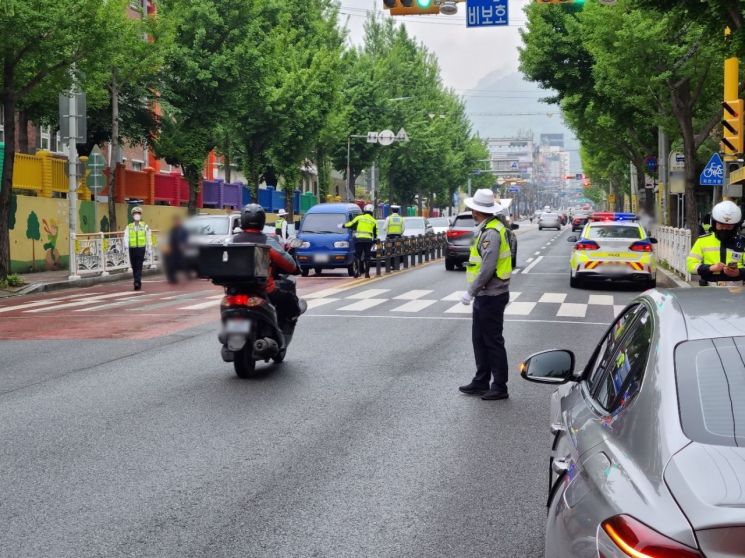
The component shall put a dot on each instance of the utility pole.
(349, 173)
(72, 195)
(662, 169)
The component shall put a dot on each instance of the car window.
(439, 222)
(622, 376)
(710, 377)
(319, 223)
(608, 346)
(464, 221)
(414, 222)
(614, 231)
(208, 226)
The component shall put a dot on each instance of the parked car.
(416, 225)
(579, 220)
(205, 229)
(460, 235)
(439, 224)
(647, 456)
(326, 244)
(549, 221)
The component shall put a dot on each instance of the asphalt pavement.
(358, 445)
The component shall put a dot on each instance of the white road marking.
(115, 304)
(364, 304)
(529, 260)
(617, 309)
(46, 302)
(460, 309)
(457, 295)
(514, 295)
(369, 293)
(211, 301)
(323, 294)
(553, 297)
(519, 308)
(316, 302)
(449, 318)
(188, 295)
(91, 300)
(538, 253)
(601, 300)
(569, 310)
(412, 295)
(532, 265)
(414, 306)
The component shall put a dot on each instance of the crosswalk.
(564, 305)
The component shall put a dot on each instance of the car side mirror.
(549, 367)
(514, 226)
(295, 243)
(572, 239)
(652, 240)
(237, 230)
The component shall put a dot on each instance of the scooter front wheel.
(243, 362)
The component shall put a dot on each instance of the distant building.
(552, 140)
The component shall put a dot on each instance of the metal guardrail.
(408, 251)
(102, 253)
(673, 247)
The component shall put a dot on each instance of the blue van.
(326, 245)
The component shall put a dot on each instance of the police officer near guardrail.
(365, 232)
(488, 272)
(137, 239)
(717, 257)
(280, 225)
(394, 224)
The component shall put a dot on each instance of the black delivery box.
(228, 264)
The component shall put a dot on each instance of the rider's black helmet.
(253, 216)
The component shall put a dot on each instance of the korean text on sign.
(484, 13)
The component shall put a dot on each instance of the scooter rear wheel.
(244, 363)
(280, 356)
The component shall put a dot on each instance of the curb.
(670, 278)
(83, 282)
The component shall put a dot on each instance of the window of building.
(56, 144)
(43, 137)
(137, 165)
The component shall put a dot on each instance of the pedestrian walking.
(137, 239)
(717, 257)
(175, 260)
(488, 273)
(365, 232)
(280, 225)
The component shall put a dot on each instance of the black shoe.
(138, 287)
(493, 395)
(472, 389)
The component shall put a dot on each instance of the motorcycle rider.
(253, 219)
(717, 257)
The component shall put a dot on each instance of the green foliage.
(33, 231)
(12, 280)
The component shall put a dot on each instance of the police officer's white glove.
(466, 298)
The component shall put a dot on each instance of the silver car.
(648, 450)
(549, 221)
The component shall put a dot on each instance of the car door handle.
(557, 427)
(559, 466)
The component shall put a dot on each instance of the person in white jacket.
(137, 239)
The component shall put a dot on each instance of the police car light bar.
(613, 216)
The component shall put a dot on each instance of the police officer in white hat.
(280, 225)
(488, 272)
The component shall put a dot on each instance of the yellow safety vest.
(137, 235)
(707, 250)
(365, 226)
(504, 261)
(395, 224)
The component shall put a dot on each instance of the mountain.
(504, 105)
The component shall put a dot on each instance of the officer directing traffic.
(365, 232)
(137, 239)
(488, 273)
(394, 224)
(280, 225)
(717, 257)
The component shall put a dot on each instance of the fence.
(102, 253)
(409, 251)
(673, 247)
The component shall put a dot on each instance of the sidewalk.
(47, 281)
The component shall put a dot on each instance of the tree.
(45, 47)
(33, 233)
(12, 212)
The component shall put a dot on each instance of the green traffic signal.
(424, 3)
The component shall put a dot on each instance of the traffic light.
(412, 7)
(732, 127)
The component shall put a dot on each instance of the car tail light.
(243, 300)
(586, 245)
(641, 247)
(456, 234)
(630, 537)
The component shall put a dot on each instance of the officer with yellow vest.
(394, 224)
(137, 239)
(488, 271)
(717, 257)
(365, 232)
(280, 225)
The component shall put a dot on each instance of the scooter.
(250, 330)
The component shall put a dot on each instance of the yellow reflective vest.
(504, 261)
(394, 224)
(365, 226)
(137, 235)
(708, 251)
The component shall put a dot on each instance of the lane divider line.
(532, 265)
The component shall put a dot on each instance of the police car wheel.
(318, 270)
(575, 282)
(449, 265)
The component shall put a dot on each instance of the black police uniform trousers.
(136, 259)
(363, 247)
(488, 341)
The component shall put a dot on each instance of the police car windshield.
(208, 226)
(614, 231)
(320, 223)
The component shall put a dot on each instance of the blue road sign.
(713, 173)
(486, 13)
(513, 190)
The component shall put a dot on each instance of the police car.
(613, 246)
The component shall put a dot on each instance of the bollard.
(377, 259)
(419, 249)
(396, 254)
(426, 248)
(387, 256)
(405, 252)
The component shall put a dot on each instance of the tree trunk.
(642, 186)
(9, 109)
(192, 175)
(115, 150)
(681, 104)
(226, 159)
(23, 146)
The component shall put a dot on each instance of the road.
(146, 444)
